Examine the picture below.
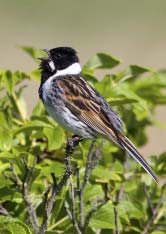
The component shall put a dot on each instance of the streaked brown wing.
(84, 102)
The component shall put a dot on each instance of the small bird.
(77, 106)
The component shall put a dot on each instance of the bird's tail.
(133, 152)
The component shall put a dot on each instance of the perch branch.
(69, 149)
(121, 190)
(93, 158)
(148, 199)
(116, 220)
(25, 194)
(48, 202)
(155, 211)
(94, 209)
(81, 187)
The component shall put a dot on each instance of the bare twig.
(91, 212)
(93, 158)
(89, 166)
(49, 202)
(3, 211)
(121, 190)
(57, 187)
(148, 199)
(72, 191)
(116, 220)
(81, 187)
(25, 194)
(94, 209)
(73, 219)
(120, 193)
(16, 178)
(155, 211)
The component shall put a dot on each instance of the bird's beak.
(46, 51)
(43, 59)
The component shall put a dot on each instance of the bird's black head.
(58, 59)
(63, 57)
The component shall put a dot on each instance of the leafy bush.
(115, 196)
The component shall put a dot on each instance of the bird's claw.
(72, 143)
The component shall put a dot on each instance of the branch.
(88, 171)
(73, 219)
(72, 143)
(149, 199)
(93, 159)
(3, 211)
(94, 209)
(116, 220)
(25, 194)
(121, 190)
(16, 179)
(72, 192)
(48, 203)
(155, 211)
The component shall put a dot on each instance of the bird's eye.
(58, 56)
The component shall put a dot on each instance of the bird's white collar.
(73, 69)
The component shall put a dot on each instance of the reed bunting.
(77, 106)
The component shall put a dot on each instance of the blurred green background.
(132, 30)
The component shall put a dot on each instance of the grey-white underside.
(55, 106)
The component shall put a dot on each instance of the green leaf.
(4, 167)
(119, 101)
(34, 53)
(118, 167)
(35, 75)
(136, 70)
(39, 109)
(15, 227)
(105, 173)
(128, 207)
(104, 218)
(53, 167)
(19, 103)
(9, 81)
(7, 155)
(20, 76)
(92, 191)
(90, 78)
(33, 125)
(100, 60)
(4, 120)
(158, 232)
(56, 137)
(5, 139)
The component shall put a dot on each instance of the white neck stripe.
(73, 69)
(52, 66)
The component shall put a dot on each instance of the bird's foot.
(72, 143)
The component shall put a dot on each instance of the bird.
(73, 103)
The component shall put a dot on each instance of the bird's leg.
(72, 143)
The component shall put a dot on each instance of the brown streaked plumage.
(72, 102)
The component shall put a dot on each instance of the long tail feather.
(130, 148)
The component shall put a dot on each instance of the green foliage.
(135, 93)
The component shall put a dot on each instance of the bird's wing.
(92, 109)
(85, 103)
